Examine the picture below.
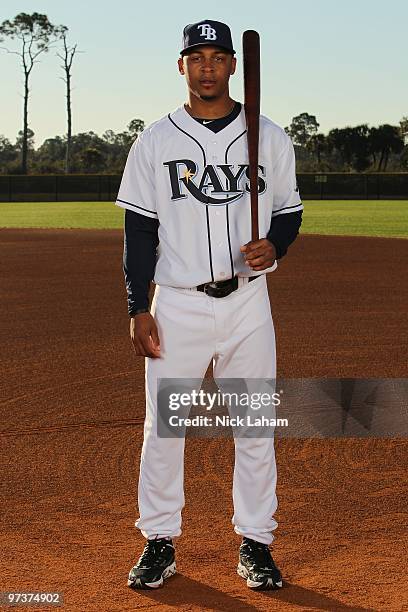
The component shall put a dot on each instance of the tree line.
(89, 153)
(350, 149)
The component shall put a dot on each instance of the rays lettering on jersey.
(218, 184)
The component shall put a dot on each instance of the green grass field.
(340, 217)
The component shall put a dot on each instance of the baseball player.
(185, 191)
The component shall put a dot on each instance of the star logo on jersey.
(188, 175)
(214, 184)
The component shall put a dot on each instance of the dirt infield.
(72, 413)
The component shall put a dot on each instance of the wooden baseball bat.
(252, 94)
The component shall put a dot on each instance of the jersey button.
(222, 273)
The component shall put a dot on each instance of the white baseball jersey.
(196, 183)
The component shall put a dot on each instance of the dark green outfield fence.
(104, 187)
(59, 187)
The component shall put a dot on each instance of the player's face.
(207, 71)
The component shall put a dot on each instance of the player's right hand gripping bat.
(252, 92)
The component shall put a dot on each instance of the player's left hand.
(259, 254)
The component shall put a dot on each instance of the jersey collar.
(186, 122)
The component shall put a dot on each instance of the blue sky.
(345, 62)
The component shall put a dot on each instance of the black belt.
(220, 289)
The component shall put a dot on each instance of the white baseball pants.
(237, 333)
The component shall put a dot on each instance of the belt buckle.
(212, 290)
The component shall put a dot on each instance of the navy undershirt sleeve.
(139, 258)
(283, 231)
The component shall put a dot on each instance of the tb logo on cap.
(207, 31)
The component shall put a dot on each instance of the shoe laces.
(153, 551)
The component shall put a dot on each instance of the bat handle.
(253, 185)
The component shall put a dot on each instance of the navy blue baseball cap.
(206, 32)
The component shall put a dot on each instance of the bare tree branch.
(12, 52)
(67, 58)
